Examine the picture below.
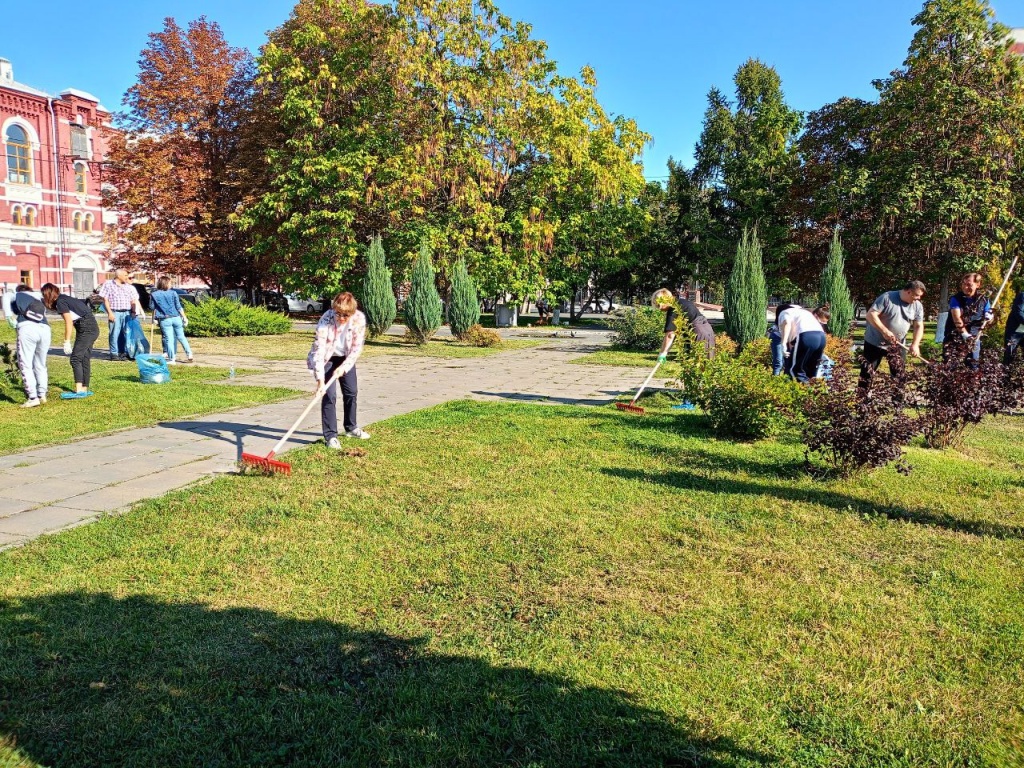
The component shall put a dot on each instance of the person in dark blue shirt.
(969, 311)
(1014, 333)
(78, 315)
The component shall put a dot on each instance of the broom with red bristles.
(631, 406)
(268, 462)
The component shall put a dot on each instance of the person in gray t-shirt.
(890, 318)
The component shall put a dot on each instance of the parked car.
(299, 304)
(144, 295)
(604, 305)
(274, 301)
(185, 296)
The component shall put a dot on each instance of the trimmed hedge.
(641, 328)
(226, 317)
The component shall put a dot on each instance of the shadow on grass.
(523, 397)
(692, 481)
(91, 680)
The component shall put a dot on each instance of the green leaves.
(423, 307)
(378, 297)
(746, 295)
(834, 292)
(464, 307)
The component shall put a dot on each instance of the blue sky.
(655, 59)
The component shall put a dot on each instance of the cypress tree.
(464, 310)
(423, 307)
(835, 292)
(378, 296)
(746, 295)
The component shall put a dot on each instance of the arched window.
(88, 222)
(76, 222)
(80, 185)
(19, 156)
(30, 217)
(16, 219)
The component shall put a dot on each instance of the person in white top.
(807, 329)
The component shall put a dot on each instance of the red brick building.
(52, 223)
(1017, 36)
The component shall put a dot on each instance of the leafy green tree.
(378, 297)
(746, 294)
(746, 160)
(834, 291)
(423, 307)
(946, 154)
(464, 307)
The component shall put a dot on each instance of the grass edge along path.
(534, 585)
(122, 401)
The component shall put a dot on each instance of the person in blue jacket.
(969, 312)
(1014, 333)
(167, 311)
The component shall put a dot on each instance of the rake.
(268, 462)
(631, 406)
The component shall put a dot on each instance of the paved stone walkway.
(50, 489)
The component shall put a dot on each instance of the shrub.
(641, 328)
(724, 345)
(836, 293)
(423, 307)
(757, 354)
(746, 295)
(464, 309)
(955, 396)
(378, 297)
(836, 347)
(226, 317)
(478, 336)
(850, 431)
(10, 376)
(742, 400)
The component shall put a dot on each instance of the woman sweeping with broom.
(337, 344)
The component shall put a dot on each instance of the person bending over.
(808, 331)
(78, 315)
(663, 300)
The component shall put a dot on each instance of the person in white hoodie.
(34, 338)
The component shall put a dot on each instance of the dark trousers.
(810, 346)
(86, 333)
(873, 357)
(1012, 342)
(705, 334)
(329, 403)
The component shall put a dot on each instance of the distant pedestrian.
(663, 300)
(33, 345)
(969, 311)
(806, 329)
(775, 339)
(78, 315)
(890, 318)
(168, 312)
(337, 343)
(1014, 333)
(119, 299)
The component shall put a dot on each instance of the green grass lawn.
(295, 346)
(628, 357)
(504, 584)
(121, 400)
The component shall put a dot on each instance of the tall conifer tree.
(464, 310)
(746, 294)
(835, 292)
(423, 307)
(378, 296)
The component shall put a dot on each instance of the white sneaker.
(172, 362)
(42, 399)
(358, 434)
(334, 443)
(33, 403)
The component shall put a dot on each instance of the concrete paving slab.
(43, 520)
(9, 505)
(9, 540)
(50, 492)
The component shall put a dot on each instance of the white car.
(298, 304)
